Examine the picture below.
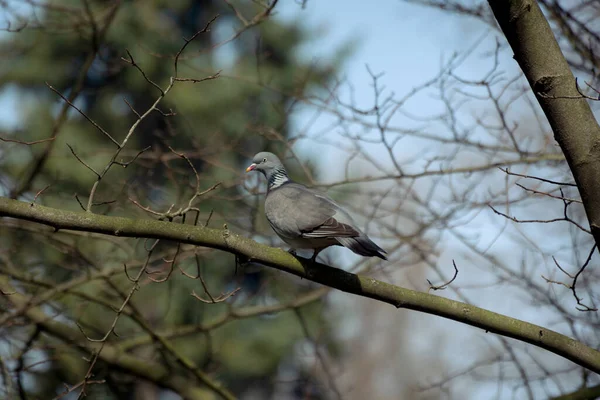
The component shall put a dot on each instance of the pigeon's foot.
(314, 257)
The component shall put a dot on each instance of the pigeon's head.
(265, 162)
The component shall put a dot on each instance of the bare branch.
(444, 285)
(345, 281)
(91, 121)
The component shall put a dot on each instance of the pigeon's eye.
(264, 160)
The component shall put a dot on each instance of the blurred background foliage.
(79, 49)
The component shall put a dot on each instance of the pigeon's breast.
(293, 210)
(280, 213)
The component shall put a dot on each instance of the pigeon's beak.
(252, 167)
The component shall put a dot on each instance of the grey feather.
(306, 218)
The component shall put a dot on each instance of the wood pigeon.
(305, 218)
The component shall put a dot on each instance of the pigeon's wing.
(331, 228)
(297, 210)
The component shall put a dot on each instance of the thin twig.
(27, 143)
(188, 41)
(507, 171)
(82, 162)
(444, 285)
(91, 121)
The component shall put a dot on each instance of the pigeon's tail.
(363, 245)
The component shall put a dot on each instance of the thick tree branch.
(585, 393)
(569, 114)
(363, 286)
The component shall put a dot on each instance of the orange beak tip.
(251, 167)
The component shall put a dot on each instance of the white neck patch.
(277, 178)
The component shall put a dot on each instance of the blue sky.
(407, 43)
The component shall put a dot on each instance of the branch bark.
(571, 119)
(581, 394)
(225, 240)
